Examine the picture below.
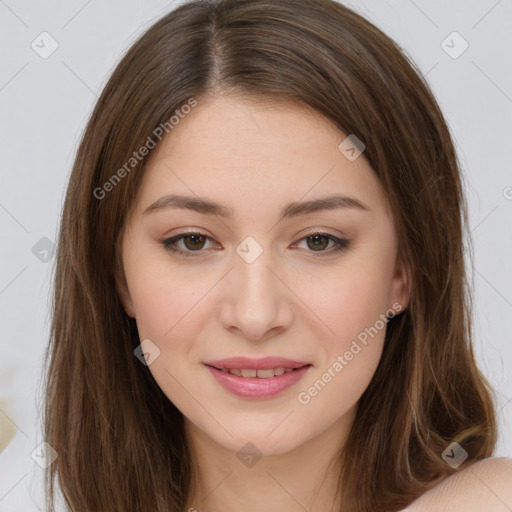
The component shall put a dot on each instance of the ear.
(400, 285)
(124, 295)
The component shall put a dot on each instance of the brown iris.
(317, 244)
(197, 241)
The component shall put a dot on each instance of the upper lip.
(263, 363)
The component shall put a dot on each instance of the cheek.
(165, 297)
(170, 311)
(349, 361)
(351, 298)
(355, 305)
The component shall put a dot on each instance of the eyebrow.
(293, 209)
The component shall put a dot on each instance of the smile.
(256, 383)
(261, 374)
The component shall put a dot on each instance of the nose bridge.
(254, 281)
(256, 300)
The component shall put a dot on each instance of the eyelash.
(340, 244)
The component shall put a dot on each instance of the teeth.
(265, 374)
(262, 374)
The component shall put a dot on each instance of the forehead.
(248, 151)
(227, 126)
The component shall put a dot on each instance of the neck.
(304, 478)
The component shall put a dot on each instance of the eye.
(319, 242)
(194, 242)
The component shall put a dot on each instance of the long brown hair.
(120, 441)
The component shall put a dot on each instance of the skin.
(482, 486)
(290, 302)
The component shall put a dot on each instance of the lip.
(254, 387)
(264, 363)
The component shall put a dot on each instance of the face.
(269, 273)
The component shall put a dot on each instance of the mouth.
(260, 373)
(257, 379)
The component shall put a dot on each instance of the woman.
(260, 298)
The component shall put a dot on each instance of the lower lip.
(254, 387)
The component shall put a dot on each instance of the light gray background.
(46, 102)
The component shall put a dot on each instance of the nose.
(256, 304)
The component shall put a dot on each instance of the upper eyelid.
(307, 235)
(322, 231)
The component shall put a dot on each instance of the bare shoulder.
(484, 486)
